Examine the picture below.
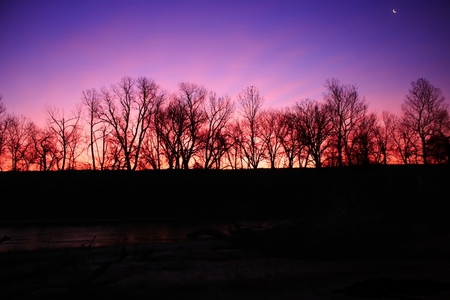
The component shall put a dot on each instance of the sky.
(51, 51)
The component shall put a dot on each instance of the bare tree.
(180, 125)
(252, 140)
(18, 142)
(153, 146)
(91, 103)
(128, 109)
(215, 135)
(405, 143)
(68, 135)
(2, 129)
(169, 124)
(2, 108)
(133, 125)
(103, 144)
(347, 109)
(313, 123)
(288, 137)
(235, 153)
(45, 150)
(424, 112)
(192, 100)
(385, 136)
(364, 143)
(271, 128)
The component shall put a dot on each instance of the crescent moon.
(394, 11)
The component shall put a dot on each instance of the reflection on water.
(50, 236)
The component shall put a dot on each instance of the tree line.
(136, 125)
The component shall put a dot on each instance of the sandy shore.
(210, 269)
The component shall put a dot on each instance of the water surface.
(29, 236)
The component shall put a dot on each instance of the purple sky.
(50, 51)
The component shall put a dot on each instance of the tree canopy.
(136, 125)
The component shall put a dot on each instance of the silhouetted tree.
(133, 125)
(18, 142)
(347, 108)
(166, 130)
(252, 142)
(235, 154)
(215, 136)
(191, 99)
(384, 137)
(271, 127)
(364, 146)
(438, 149)
(68, 135)
(2, 108)
(289, 137)
(127, 108)
(424, 112)
(2, 130)
(152, 148)
(44, 144)
(103, 143)
(91, 103)
(180, 123)
(405, 143)
(313, 124)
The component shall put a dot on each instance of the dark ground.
(402, 191)
(378, 232)
(211, 269)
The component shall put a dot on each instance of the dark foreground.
(340, 256)
(226, 195)
(380, 233)
(213, 269)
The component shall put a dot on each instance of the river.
(30, 236)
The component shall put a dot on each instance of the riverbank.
(366, 232)
(210, 269)
(230, 195)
